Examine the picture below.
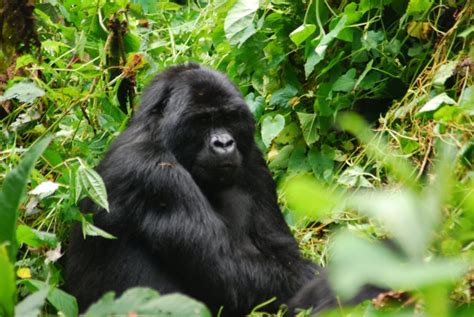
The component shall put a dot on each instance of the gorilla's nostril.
(222, 143)
(229, 143)
(218, 143)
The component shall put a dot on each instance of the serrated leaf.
(145, 301)
(437, 102)
(239, 18)
(12, 193)
(300, 34)
(271, 127)
(89, 229)
(25, 92)
(309, 127)
(93, 185)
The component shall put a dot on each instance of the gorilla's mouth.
(218, 174)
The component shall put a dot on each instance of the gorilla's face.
(206, 124)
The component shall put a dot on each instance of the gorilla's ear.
(157, 94)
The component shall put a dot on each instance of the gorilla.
(193, 206)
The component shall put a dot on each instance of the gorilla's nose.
(222, 143)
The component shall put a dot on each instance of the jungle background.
(364, 112)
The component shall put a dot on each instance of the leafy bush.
(76, 71)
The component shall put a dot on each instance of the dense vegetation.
(71, 73)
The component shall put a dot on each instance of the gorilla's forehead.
(208, 91)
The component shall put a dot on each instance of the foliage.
(406, 66)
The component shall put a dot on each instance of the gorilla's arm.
(178, 223)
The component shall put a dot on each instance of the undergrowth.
(73, 71)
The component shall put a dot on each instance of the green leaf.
(379, 149)
(437, 102)
(464, 34)
(239, 18)
(410, 218)
(356, 262)
(289, 134)
(307, 198)
(89, 229)
(62, 301)
(35, 238)
(346, 82)
(355, 177)
(25, 92)
(8, 287)
(309, 127)
(256, 105)
(94, 186)
(271, 127)
(444, 72)
(323, 44)
(145, 301)
(321, 163)
(372, 39)
(300, 34)
(416, 6)
(31, 306)
(283, 96)
(12, 193)
(280, 161)
(298, 162)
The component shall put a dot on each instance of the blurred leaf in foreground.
(147, 301)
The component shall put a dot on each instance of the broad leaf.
(282, 97)
(356, 262)
(309, 127)
(437, 102)
(31, 306)
(307, 198)
(12, 193)
(145, 301)
(239, 21)
(271, 127)
(346, 82)
(418, 6)
(300, 34)
(62, 301)
(25, 92)
(35, 238)
(320, 50)
(444, 72)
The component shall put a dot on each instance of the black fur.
(184, 221)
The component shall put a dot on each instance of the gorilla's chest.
(233, 207)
